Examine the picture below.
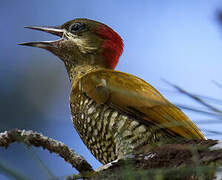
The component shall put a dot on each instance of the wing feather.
(131, 94)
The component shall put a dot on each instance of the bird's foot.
(118, 161)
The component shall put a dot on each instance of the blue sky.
(180, 41)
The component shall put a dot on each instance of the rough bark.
(38, 140)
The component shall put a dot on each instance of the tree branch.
(182, 160)
(38, 140)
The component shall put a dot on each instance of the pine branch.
(187, 159)
(183, 160)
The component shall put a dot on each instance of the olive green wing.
(135, 96)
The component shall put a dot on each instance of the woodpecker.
(115, 113)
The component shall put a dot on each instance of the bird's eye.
(76, 27)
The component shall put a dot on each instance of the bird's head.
(82, 42)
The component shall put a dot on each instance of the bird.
(114, 113)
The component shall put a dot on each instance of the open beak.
(56, 30)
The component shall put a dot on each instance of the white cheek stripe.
(82, 43)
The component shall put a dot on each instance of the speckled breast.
(107, 132)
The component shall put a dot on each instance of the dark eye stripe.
(76, 27)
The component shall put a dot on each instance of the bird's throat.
(77, 72)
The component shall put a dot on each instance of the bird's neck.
(76, 72)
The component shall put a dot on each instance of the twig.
(194, 97)
(216, 114)
(11, 172)
(40, 163)
(38, 140)
(217, 84)
(211, 99)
